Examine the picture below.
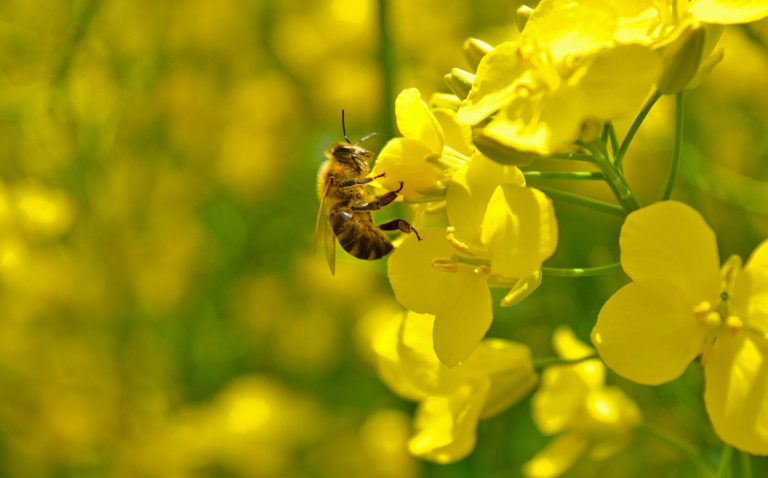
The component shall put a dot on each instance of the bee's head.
(350, 155)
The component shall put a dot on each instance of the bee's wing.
(330, 246)
(320, 212)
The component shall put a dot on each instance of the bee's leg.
(399, 224)
(379, 202)
(353, 182)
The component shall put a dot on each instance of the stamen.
(734, 323)
(459, 245)
(482, 270)
(445, 265)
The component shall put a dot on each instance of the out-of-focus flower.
(573, 401)
(433, 146)
(501, 232)
(563, 71)
(680, 305)
(451, 400)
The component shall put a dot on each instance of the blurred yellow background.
(161, 314)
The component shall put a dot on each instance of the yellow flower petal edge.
(416, 121)
(404, 159)
(445, 425)
(558, 456)
(729, 11)
(670, 241)
(736, 391)
(648, 332)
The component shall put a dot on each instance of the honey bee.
(340, 184)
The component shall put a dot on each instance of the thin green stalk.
(756, 39)
(387, 61)
(746, 465)
(564, 175)
(601, 206)
(614, 178)
(540, 363)
(572, 156)
(635, 126)
(580, 271)
(724, 468)
(679, 110)
(612, 137)
(683, 448)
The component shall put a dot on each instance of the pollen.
(705, 315)
(734, 323)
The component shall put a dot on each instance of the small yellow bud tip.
(734, 323)
(445, 265)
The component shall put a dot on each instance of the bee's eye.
(343, 148)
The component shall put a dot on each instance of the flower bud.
(460, 82)
(682, 59)
(522, 15)
(445, 100)
(475, 50)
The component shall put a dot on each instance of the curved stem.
(564, 175)
(679, 107)
(724, 468)
(683, 448)
(583, 201)
(746, 465)
(580, 271)
(572, 156)
(540, 363)
(635, 126)
(614, 177)
(612, 137)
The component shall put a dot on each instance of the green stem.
(756, 39)
(387, 59)
(679, 109)
(540, 363)
(635, 126)
(614, 178)
(724, 468)
(601, 206)
(571, 156)
(564, 175)
(746, 465)
(580, 271)
(612, 137)
(684, 449)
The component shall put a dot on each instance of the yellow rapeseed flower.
(433, 145)
(451, 400)
(563, 71)
(680, 305)
(501, 232)
(573, 401)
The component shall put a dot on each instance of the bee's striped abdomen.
(358, 235)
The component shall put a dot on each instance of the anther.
(445, 265)
(461, 246)
(734, 323)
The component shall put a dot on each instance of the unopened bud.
(460, 82)
(475, 50)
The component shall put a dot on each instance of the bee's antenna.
(366, 137)
(344, 128)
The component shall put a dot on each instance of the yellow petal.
(736, 391)
(566, 27)
(416, 121)
(617, 81)
(463, 320)
(750, 293)
(469, 191)
(729, 11)
(669, 240)
(557, 457)
(495, 83)
(405, 159)
(458, 136)
(510, 368)
(519, 229)
(389, 364)
(647, 332)
(559, 400)
(568, 346)
(460, 300)
(445, 425)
